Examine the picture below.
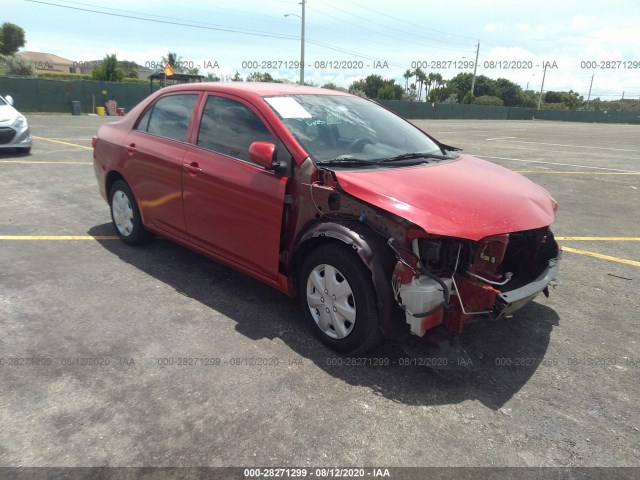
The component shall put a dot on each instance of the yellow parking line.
(576, 173)
(49, 163)
(59, 237)
(600, 239)
(63, 143)
(603, 257)
(69, 139)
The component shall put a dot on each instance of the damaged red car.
(378, 227)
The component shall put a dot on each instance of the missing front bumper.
(509, 302)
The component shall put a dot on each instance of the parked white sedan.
(14, 130)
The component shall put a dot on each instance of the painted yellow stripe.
(37, 162)
(58, 237)
(69, 139)
(61, 142)
(603, 257)
(600, 239)
(576, 173)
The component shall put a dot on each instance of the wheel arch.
(372, 249)
(112, 177)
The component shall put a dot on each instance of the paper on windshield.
(287, 107)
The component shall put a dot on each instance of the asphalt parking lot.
(556, 385)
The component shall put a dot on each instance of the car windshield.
(338, 128)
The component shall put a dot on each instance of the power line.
(215, 27)
(342, 33)
(386, 15)
(355, 54)
(413, 34)
(220, 28)
(197, 22)
(371, 30)
(173, 17)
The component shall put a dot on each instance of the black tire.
(126, 217)
(364, 333)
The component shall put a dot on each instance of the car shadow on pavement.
(13, 153)
(503, 354)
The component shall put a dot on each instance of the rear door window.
(169, 117)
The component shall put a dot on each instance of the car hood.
(8, 114)
(465, 198)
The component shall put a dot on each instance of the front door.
(232, 206)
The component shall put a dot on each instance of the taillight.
(94, 140)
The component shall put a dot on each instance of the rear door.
(156, 149)
(232, 206)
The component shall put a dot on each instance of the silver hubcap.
(331, 301)
(122, 213)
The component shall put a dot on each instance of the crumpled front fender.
(365, 241)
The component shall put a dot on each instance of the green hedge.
(428, 110)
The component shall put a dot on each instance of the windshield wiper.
(345, 162)
(413, 156)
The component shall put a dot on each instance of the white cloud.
(582, 22)
(546, 31)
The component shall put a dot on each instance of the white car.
(14, 130)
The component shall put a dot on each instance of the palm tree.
(407, 75)
(439, 80)
(420, 79)
(174, 60)
(433, 81)
(412, 92)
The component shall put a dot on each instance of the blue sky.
(399, 33)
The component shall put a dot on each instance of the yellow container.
(100, 111)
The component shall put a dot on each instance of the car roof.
(261, 89)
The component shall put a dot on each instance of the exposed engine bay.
(450, 281)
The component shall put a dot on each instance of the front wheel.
(126, 216)
(339, 300)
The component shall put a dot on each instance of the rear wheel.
(339, 300)
(126, 216)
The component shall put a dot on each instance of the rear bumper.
(509, 302)
(101, 177)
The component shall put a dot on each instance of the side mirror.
(9, 99)
(263, 154)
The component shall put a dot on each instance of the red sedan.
(377, 226)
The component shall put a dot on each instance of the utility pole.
(589, 96)
(622, 95)
(544, 74)
(303, 2)
(302, 47)
(475, 66)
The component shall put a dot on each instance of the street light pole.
(544, 74)
(302, 47)
(303, 2)
(475, 66)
